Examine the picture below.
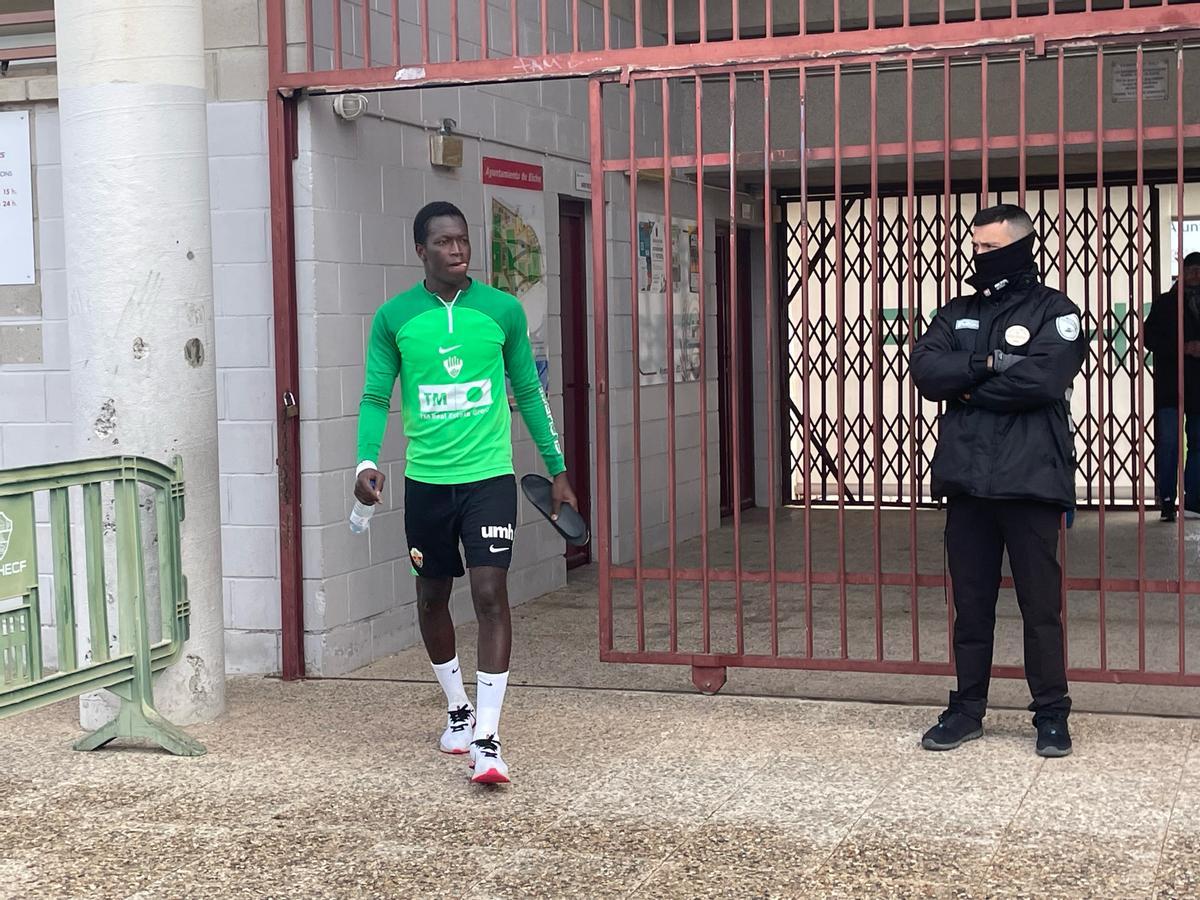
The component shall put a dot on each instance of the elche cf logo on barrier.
(6, 529)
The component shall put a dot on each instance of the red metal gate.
(851, 137)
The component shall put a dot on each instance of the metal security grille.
(704, 112)
(876, 343)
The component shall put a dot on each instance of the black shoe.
(1053, 736)
(952, 730)
(1168, 514)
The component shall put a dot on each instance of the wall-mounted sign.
(16, 200)
(510, 174)
(583, 181)
(1155, 80)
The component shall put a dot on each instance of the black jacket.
(1161, 336)
(1011, 438)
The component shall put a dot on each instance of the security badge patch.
(1068, 326)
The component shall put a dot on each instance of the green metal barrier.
(127, 670)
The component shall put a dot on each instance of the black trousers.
(977, 534)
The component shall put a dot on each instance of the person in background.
(1162, 339)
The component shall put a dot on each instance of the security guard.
(1003, 360)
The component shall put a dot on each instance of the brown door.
(577, 437)
(743, 382)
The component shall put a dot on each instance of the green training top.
(451, 358)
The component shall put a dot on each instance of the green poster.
(18, 548)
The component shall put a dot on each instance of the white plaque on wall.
(1155, 80)
(16, 200)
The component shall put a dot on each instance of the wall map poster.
(516, 210)
(652, 299)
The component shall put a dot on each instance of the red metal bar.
(366, 29)
(898, 149)
(769, 12)
(736, 363)
(485, 36)
(786, 50)
(453, 30)
(635, 325)
(637, 23)
(672, 459)
(514, 27)
(1021, 173)
(840, 291)
(396, 31)
(574, 25)
(600, 303)
(43, 51)
(1139, 404)
(983, 119)
(701, 230)
(888, 667)
(309, 40)
(336, 8)
(802, 16)
(737, 25)
(545, 30)
(35, 17)
(607, 26)
(948, 290)
(891, 579)
(877, 363)
(806, 356)
(1101, 330)
(1179, 301)
(910, 328)
(704, 22)
(1064, 565)
(281, 138)
(425, 29)
(769, 275)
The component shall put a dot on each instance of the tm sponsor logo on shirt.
(455, 400)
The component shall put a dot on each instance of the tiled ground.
(634, 789)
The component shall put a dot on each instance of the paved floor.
(625, 786)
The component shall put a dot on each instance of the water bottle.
(360, 517)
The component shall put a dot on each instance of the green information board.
(18, 546)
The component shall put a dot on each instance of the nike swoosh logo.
(454, 672)
(449, 349)
(488, 683)
(496, 549)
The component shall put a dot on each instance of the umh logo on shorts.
(454, 399)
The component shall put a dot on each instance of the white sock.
(449, 676)
(488, 700)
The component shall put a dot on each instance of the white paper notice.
(16, 200)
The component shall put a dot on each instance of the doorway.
(577, 437)
(727, 382)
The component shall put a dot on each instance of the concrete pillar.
(139, 279)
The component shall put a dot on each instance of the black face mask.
(996, 269)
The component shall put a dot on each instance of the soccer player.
(451, 340)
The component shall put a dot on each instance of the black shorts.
(481, 515)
